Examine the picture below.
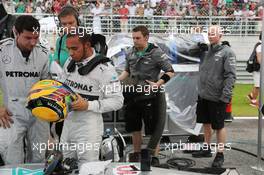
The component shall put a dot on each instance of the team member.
(23, 63)
(69, 19)
(94, 78)
(216, 82)
(144, 63)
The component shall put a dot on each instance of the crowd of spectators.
(146, 8)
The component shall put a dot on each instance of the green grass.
(240, 103)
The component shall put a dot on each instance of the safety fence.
(177, 25)
(111, 24)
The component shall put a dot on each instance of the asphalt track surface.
(242, 134)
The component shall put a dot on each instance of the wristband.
(165, 78)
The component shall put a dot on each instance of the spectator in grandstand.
(140, 10)
(56, 7)
(245, 11)
(237, 13)
(213, 96)
(260, 12)
(74, 3)
(153, 3)
(229, 11)
(222, 11)
(229, 3)
(251, 19)
(148, 15)
(96, 12)
(107, 8)
(158, 11)
(173, 2)
(214, 3)
(163, 4)
(143, 73)
(182, 11)
(193, 11)
(132, 9)
(253, 95)
(29, 7)
(185, 3)
(39, 9)
(204, 11)
(20, 7)
(214, 11)
(115, 10)
(171, 11)
(123, 12)
(85, 9)
(253, 6)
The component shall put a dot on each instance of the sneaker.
(250, 96)
(229, 118)
(254, 103)
(202, 153)
(134, 157)
(218, 160)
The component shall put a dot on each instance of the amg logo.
(78, 85)
(22, 74)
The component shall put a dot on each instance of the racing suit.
(17, 75)
(83, 130)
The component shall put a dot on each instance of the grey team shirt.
(18, 75)
(148, 66)
(217, 74)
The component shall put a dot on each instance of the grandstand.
(238, 17)
(232, 8)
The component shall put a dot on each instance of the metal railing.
(111, 24)
(177, 24)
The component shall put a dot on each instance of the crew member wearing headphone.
(68, 19)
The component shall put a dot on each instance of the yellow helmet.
(50, 100)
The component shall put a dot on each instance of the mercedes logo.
(6, 59)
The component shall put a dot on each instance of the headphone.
(73, 11)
